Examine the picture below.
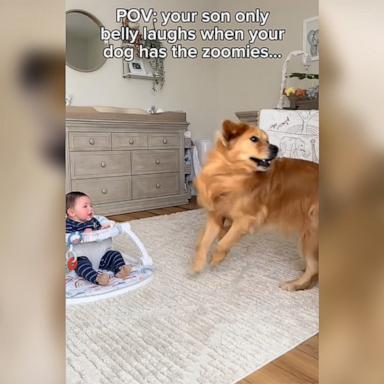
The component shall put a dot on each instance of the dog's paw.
(197, 266)
(217, 258)
(288, 286)
(215, 262)
(294, 285)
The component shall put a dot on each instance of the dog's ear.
(231, 130)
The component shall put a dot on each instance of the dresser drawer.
(100, 164)
(123, 141)
(155, 161)
(106, 189)
(155, 185)
(87, 141)
(164, 141)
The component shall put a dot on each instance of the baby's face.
(83, 209)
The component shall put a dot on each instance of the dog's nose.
(273, 150)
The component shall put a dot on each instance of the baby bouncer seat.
(79, 290)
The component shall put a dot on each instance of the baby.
(95, 255)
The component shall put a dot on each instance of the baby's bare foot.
(102, 279)
(124, 272)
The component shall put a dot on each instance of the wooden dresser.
(126, 162)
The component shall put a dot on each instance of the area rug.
(214, 328)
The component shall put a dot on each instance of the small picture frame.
(311, 37)
(137, 67)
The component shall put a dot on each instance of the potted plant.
(300, 98)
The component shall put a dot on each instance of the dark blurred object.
(42, 75)
(38, 69)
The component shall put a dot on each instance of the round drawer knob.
(131, 141)
(103, 164)
(104, 191)
(92, 141)
(165, 141)
(157, 185)
(157, 162)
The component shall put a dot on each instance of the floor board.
(298, 366)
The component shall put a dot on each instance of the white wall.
(255, 84)
(208, 90)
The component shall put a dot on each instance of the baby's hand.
(87, 230)
(105, 226)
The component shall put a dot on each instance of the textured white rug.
(215, 328)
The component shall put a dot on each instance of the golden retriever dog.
(244, 184)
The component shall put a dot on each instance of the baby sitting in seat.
(95, 255)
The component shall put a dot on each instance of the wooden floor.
(299, 366)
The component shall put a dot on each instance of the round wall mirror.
(84, 49)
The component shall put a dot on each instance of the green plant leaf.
(302, 76)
